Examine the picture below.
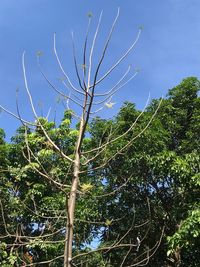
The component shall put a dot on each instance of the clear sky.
(167, 52)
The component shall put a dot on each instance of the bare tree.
(89, 100)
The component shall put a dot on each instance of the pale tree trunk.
(71, 201)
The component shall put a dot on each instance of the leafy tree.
(161, 169)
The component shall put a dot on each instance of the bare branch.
(75, 64)
(121, 59)
(104, 52)
(26, 86)
(122, 135)
(56, 90)
(62, 69)
(16, 116)
(91, 51)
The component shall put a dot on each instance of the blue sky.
(167, 52)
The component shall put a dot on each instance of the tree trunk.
(70, 211)
(71, 201)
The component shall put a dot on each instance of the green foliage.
(164, 167)
(152, 183)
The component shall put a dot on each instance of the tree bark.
(71, 201)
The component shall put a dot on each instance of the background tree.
(164, 168)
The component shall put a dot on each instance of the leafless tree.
(89, 100)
